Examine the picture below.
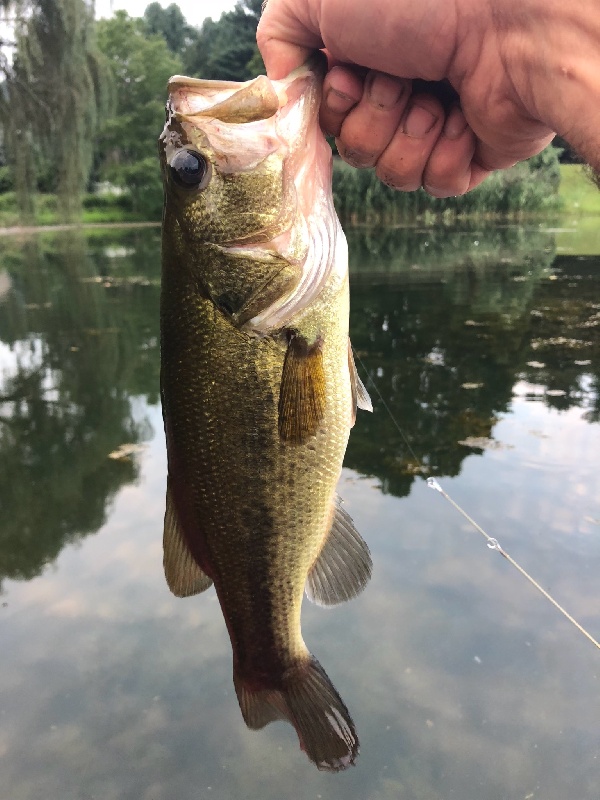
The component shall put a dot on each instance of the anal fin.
(344, 565)
(184, 576)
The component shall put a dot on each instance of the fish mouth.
(244, 123)
(242, 102)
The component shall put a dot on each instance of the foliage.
(226, 50)
(6, 180)
(141, 65)
(566, 154)
(144, 183)
(171, 25)
(55, 92)
(528, 187)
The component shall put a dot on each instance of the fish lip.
(185, 81)
(274, 92)
(316, 62)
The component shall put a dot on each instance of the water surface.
(484, 347)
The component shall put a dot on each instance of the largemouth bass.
(259, 388)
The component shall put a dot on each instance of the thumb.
(284, 39)
(282, 57)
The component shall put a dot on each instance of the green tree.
(55, 91)
(141, 65)
(226, 50)
(171, 25)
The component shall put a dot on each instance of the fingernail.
(384, 91)
(338, 102)
(455, 124)
(419, 122)
(439, 194)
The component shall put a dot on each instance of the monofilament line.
(492, 543)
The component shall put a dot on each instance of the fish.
(259, 387)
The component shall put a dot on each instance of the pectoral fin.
(360, 396)
(344, 565)
(184, 576)
(302, 392)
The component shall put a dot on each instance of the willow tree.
(56, 90)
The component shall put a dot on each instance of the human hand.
(494, 55)
(407, 134)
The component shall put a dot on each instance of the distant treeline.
(82, 101)
(82, 104)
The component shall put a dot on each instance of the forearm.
(553, 49)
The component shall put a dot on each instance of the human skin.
(520, 71)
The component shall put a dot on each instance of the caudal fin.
(310, 702)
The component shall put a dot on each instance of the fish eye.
(189, 169)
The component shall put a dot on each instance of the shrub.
(528, 187)
(6, 180)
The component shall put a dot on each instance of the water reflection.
(75, 351)
(461, 683)
(444, 347)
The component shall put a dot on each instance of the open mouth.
(245, 123)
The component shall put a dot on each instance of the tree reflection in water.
(445, 337)
(75, 350)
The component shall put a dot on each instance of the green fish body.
(259, 388)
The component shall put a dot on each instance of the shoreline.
(16, 230)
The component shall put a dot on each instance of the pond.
(481, 351)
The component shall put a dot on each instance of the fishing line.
(492, 543)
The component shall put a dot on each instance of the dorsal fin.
(344, 565)
(184, 576)
(360, 396)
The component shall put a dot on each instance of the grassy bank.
(578, 194)
(577, 229)
(96, 208)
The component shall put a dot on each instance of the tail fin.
(310, 702)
